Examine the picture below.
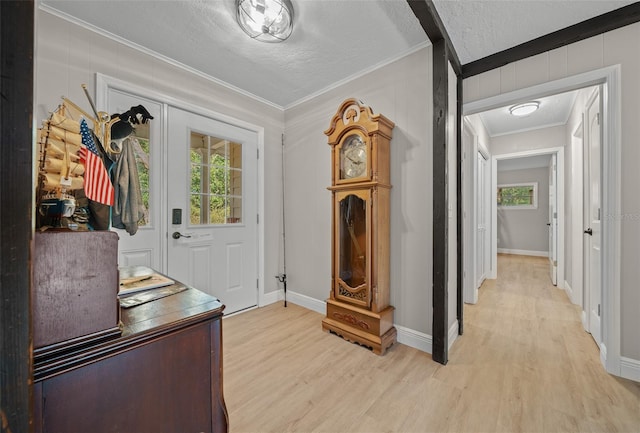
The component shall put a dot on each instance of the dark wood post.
(443, 55)
(16, 210)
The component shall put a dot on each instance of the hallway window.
(518, 196)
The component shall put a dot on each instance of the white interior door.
(212, 202)
(145, 247)
(593, 233)
(481, 219)
(553, 220)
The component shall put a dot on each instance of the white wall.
(530, 140)
(525, 229)
(619, 46)
(402, 92)
(68, 55)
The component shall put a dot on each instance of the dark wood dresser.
(163, 374)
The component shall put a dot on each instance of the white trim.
(63, 15)
(307, 302)
(559, 151)
(630, 368)
(408, 337)
(453, 333)
(610, 192)
(104, 83)
(469, 152)
(416, 339)
(569, 290)
(265, 299)
(609, 78)
(523, 252)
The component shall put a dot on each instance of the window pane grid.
(518, 195)
(216, 179)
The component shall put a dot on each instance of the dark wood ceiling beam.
(592, 27)
(432, 25)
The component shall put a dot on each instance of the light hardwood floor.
(524, 364)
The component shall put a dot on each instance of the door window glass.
(141, 150)
(216, 180)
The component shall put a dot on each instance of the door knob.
(548, 224)
(178, 235)
(589, 231)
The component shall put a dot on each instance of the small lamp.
(265, 20)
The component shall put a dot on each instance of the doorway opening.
(569, 208)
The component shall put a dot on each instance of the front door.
(592, 244)
(212, 204)
(553, 220)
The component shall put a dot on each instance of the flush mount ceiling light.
(524, 109)
(265, 20)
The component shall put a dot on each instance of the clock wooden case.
(358, 306)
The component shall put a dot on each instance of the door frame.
(609, 78)
(470, 220)
(105, 82)
(559, 152)
(587, 300)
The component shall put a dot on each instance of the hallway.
(524, 364)
(529, 363)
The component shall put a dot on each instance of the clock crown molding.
(354, 114)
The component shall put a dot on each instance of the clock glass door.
(353, 245)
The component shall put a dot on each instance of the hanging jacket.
(128, 208)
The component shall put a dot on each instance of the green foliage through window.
(518, 195)
(216, 180)
(141, 151)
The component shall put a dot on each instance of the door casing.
(610, 78)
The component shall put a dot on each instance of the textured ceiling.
(479, 28)
(332, 40)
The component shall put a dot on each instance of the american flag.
(97, 185)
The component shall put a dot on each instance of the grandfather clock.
(358, 306)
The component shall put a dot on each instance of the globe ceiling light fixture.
(265, 20)
(525, 109)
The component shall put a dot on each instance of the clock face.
(353, 157)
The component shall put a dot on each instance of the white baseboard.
(307, 302)
(630, 368)
(583, 318)
(569, 290)
(406, 336)
(453, 334)
(416, 339)
(523, 252)
(270, 298)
